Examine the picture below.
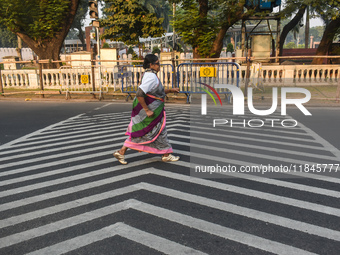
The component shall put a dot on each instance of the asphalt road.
(21, 118)
(62, 192)
(325, 121)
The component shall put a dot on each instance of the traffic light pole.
(99, 65)
(93, 12)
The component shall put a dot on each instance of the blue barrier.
(131, 77)
(192, 77)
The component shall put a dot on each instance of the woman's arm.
(140, 97)
(173, 90)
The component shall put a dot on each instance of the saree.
(145, 133)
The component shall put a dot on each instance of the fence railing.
(291, 75)
(260, 75)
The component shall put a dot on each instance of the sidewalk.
(54, 95)
(321, 96)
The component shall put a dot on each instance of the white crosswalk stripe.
(156, 242)
(62, 191)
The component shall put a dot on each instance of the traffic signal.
(262, 5)
(93, 7)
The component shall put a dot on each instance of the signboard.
(84, 79)
(207, 72)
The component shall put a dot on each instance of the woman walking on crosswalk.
(147, 129)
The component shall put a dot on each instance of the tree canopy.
(128, 20)
(161, 8)
(41, 24)
(203, 24)
(7, 38)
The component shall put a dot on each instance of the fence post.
(173, 55)
(247, 74)
(92, 73)
(1, 87)
(41, 80)
(338, 89)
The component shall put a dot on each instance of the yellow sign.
(207, 72)
(85, 79)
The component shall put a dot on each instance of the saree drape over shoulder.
(145, 133)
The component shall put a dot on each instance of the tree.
(307, 28)
(128, 20)
(294, 22)
(317, 32)
(290, 45)
(331, 30)
(203, 24)
(41, 24)
(330, 13)
(7, 38)
(78, 21)
(230, 47)
(161, 8)
(155, 49)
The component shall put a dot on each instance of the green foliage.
(7, 38)
(37, 19)
(199, 32)
(130, 51)
(106, 45)
(41, 24)
(199, 25)
(230, 47)
(161, 8)
(327, 10)
(128, 20)
(317, 32)
(290, 45)
(155, 49)
(134, 55)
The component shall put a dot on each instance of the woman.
(147, 131)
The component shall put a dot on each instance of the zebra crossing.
(62, 191)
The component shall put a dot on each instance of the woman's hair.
(149, 59)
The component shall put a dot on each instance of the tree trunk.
(217, 46)
(326, 41)
(203, 12)
(19, 48)
(290, 26)
(49, 49)
(218, 43)
(307, 28)
(196, 53)
(231, 20)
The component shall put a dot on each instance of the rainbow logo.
(213, 90)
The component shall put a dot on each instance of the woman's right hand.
(149, 113)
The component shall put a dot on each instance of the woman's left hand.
(175, 90)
